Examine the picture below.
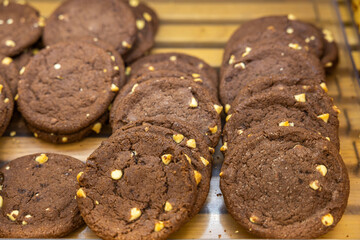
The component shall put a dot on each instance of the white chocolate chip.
(204, 161)
(134, 3)
(247, 51)
(193, 103)
(214, 129)
(127, 71)
(188, 158)
(42, 158)
(22, 71)
(79, 176)
(327, 219)
(178, 138)
(254, 219)
(168, 207)
(289, 30)
(191, 143)
(321, 169)
(224, 147)
(295, 46)
(6, 61)
(116, 174)
(300, 97)
(315, 184)
(324, 117)
(159, 226)
(228, 117)
(57, 66)
(241, 64)
(114, 88)
(227, 108)
(140, 24)
(147, 16)
(166, 158)
(135, 213)
(1, 201)
(291, 17)
(81, 193)
(10, 43)
(197, 176)
(125, 44)
(232, 59)
(218, 108)
(134, 87)
(13, 215)
(324, 87)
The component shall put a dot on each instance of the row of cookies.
(165, 124)
(282, 176)
(128, 30)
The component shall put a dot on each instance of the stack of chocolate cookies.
(282, 176)
(66, 88)
(153, 174)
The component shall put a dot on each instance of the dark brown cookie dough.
(281, 28)
(109, 20)
(185, 101)
(9, 73)
(67, 87)
(38, 196)
(147, 24)
(6, 105)
(198, 68)
(144, 190)
(199, 158)
(285, 183)
(285, 61)
(300, 106)
(20, 27)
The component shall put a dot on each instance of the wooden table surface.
(201, 28)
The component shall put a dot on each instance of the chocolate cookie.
(6, 105)
(281, 28)
(265, 84)
(169, 75)
(199, 69)
(185, 101)
(20, 27)
(147, 24)
(199, 158)
(300, 106)
(109, 20)
(96, 127)
(285, 183)
(37, 196)
(288, 62)
(67, 87)
(144, 190)
(330, 57)
(9, 73)
(22, 59)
